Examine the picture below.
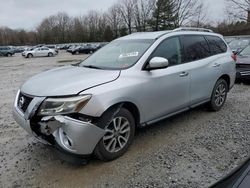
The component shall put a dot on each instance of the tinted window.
(195, 48)
(169, 49)
(217, 45)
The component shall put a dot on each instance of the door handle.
(216, 65)
(183, 74)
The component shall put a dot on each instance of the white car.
(39, 52)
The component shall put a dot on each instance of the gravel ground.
(193, 149)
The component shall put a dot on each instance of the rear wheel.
(219, 95)
(50, 54)
(8, 54)
(119, 129)
(77, 53)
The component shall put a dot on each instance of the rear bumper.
(71, 135)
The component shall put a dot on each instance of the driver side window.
(169, 49)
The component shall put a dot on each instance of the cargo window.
(217, 46)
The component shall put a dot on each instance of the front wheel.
(119, 129)
(29, 55)
(50, 54)
(219, 95)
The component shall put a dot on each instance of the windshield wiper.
(92, 67)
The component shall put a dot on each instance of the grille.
(23, 102)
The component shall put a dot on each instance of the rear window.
(217, 46)
(195, 47)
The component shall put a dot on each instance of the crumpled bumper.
(72, 135)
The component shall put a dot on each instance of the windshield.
(246, 51)
(119, 54)
(236, 44)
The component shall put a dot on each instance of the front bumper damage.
(71, 135)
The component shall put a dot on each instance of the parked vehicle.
(239, 177)
(6, 51)
(71, 48)
(133, 81)
(238, 45)
(54, 47)
(18, 49)
(243, 65)
(86, 49)
(229, 39)
(39, 52)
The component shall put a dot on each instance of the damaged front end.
(73, 132)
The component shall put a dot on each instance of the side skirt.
(173, 114)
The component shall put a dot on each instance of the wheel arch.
(131, 107)
(226, 78)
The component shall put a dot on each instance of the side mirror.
(157, 63)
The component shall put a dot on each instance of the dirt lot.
(193, 149)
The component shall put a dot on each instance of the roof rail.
(193, 29)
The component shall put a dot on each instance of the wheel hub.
(117, 134)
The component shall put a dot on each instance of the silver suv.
(134, 81)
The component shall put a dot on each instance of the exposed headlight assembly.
(60, 106)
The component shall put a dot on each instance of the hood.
(67, 80)
(241, 59)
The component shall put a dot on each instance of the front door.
(166, 90)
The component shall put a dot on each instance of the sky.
(27, 14)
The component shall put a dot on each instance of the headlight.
(58, 106)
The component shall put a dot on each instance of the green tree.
(163, 15)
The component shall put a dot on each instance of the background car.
(243, 65)
(54, 47)
(229, 39)
(86, 49)
(39, 52)
(239, 44)
(6, 51)
(18, 49)
(71, 48)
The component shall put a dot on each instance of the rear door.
(37, 52)
(204, 69)
(44, 51)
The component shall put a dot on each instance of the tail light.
(234, 56)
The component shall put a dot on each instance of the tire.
(77, 52)
(50, 54)
(219, 95)
(29, 56)
(116, 141)
(8, 54)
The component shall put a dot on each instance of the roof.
(157, 34)
(145, 35)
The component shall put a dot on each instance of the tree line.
(124, 17)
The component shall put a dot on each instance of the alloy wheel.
(220, 94)
(116, 134)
